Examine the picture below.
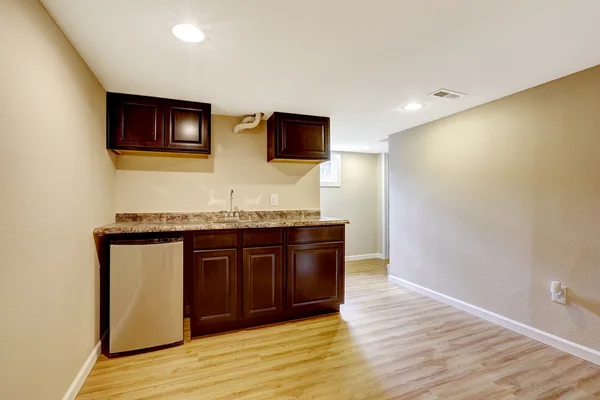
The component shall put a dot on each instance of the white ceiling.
(355, 61)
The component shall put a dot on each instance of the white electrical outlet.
(274, 199)
(559, 292)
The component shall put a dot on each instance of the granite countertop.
(179, 222)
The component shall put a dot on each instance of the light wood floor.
(387, 343)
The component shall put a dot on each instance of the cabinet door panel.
(188, 126)
(214, 281)
(137, 121)
(263, 282)
(315, 275)
(302, 139)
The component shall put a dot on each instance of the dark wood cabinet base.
(264, 321)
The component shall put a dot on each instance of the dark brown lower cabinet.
(262, 276)
(214, 288)
(315, 275)
(263, 282)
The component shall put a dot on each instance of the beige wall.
(356, 200)
(492, 204)
(238, 161)
(56, 185)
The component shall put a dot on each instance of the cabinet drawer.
(316, 234)
(262, 237)
(215, 240)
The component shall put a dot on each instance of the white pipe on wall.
(249, 122)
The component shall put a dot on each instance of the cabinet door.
(301, 137)
(263, 282)
(214, 283)
(315, 275)
(136, 121)
(187, 126)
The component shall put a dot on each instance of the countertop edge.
(129, 228)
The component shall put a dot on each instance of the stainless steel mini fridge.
(146, 294)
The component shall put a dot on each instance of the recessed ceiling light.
(413, 106)
(366, 147)
(188, 33)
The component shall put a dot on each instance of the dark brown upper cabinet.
(141, 123)
(294, 137)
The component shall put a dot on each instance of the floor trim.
(559, 343)
(364, 256)
(84, 371)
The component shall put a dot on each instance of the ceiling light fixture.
(188, 33)
(412, 106)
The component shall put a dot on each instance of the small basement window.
(331, 172)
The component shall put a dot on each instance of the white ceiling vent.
(447, 94)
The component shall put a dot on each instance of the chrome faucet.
(231, 215)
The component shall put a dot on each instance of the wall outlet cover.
(562, 298)
(274, 199)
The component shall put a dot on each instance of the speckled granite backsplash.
(214, 216)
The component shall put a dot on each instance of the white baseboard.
(84, 371)
(559, 343)
(364, 256)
